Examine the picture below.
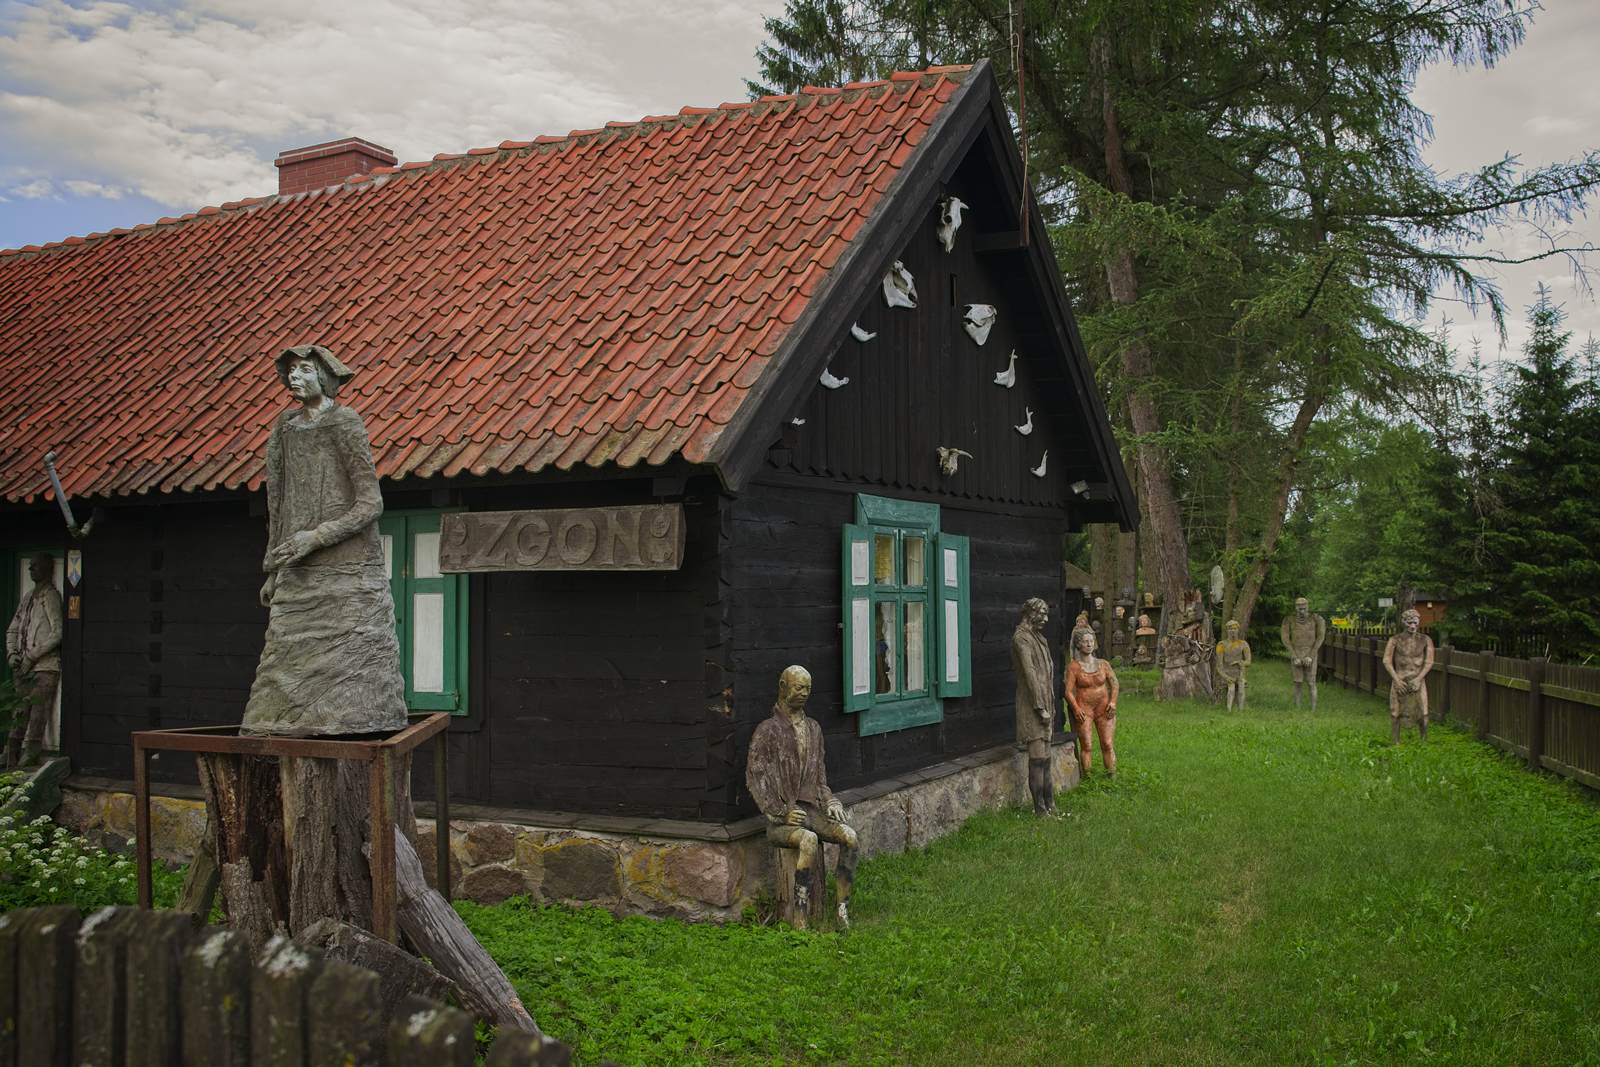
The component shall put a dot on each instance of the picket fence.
(131, 987)
(1546, 713)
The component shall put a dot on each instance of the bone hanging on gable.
(1038, 472)
(862, 335)
(1008, 377)
(949, 458)
(899, 287)
(979, 320)
(1027, 427)
(797, 422)
(950, 210)
(830, 382)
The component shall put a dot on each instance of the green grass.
(1270, 887)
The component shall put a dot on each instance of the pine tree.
(1544, 540)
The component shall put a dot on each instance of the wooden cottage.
(658, 409)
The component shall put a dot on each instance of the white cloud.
(188, 103)
(37, 189)
(79, 187)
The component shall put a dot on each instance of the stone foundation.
(694, 871)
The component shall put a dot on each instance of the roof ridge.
(806, 96)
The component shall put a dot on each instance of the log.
(440, 935)
(200, 885)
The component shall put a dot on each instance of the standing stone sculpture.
(1030, 659)
(331, 664)
(1233, 660)
(786, 778)
(1092, 689)
(1144, 643)
(1408, 657)
(33, 651)
(1303, 634)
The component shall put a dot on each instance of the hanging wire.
(1015, 22)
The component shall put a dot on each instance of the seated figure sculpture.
(786, 777)
(1092, 689)
(1233, 660)
(331, 664)
(1408, 657)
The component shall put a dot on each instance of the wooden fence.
(130, 987)
(1547, 713)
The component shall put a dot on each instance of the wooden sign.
(645, 537)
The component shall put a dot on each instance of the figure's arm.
(52, 634)
(1027, 667)
(760, 778)
(14, 637)
(1112, 684)
(1427, 660)
(1067, 679)
(1322, 635)
(1388, 660)
(1283, 632)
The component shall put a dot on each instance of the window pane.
(425, 555)
(916, 671)
(427, 642)
(860, 646)
(952, 641)
(916, 562)
(951, 566)
(883, 559)
(885, 636)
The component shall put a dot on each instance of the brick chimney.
(321, 165)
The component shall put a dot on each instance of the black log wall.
(922, 382)
(781, 572)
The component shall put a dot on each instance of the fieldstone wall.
(633, 872)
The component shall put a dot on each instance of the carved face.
(1411, 620)
(1037, 613)
(794, 688)
(1085, 642)
(1233, 630)
(305, 384)
(1302, 607)
(42, 569)
(1144, 622)
(1099, 603)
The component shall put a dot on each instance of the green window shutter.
(430, 614)
(952, 576)
(856, 649)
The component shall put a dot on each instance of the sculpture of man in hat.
(331, 664)
(1303, 634)
(1408, 657)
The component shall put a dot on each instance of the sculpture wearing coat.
(1030, 660)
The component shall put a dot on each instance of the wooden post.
(1372, 652)
(381, 857)
(141, 823)
(1536, 669)
(441, 815)
(1445, 656)
(1484, 656)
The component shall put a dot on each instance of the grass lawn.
(1270, 887)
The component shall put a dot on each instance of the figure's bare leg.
(844, 873)
(1297, 694)
(1422, 727)
(1394, 729)
(1107, 728)
(1084, 741)
(1313, 684)
(1244, 687)
(806, 865)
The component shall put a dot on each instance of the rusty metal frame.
(378, 754)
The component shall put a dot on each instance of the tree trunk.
(1158, 503)
(1279, 512)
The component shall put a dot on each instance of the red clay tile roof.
(611, 296)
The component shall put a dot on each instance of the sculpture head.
(1083, 642)
(311, 372)
(42, 568)
(794, 688)
(1081, 621)
(1233, 629)
(1099, 603)
(1035, 612)
(1302, 607)
(1411, 619)
(1144, 622)
(1120, 611)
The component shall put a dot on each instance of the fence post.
(1484, 656)
(1536, 667)
(1445, 652)
(1372, 651)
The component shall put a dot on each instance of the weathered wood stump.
(292, 840)
(785, 859)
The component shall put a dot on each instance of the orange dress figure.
(1092, 695)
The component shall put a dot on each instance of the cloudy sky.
(116, 113)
